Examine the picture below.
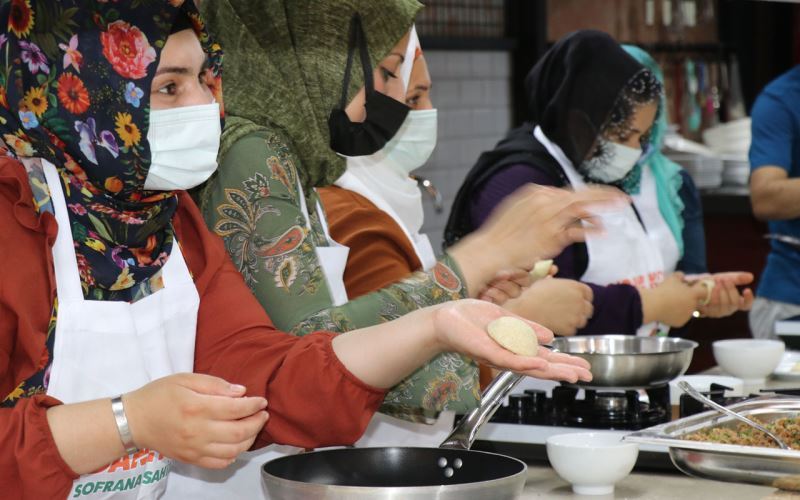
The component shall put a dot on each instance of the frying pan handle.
(465, 432)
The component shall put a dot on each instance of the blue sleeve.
(694, 237)
(772, 131)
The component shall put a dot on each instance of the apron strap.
(68, 281)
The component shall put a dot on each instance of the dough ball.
(541, 269)
(515, 335)
(709, 283)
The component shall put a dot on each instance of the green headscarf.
(667, 173)
(284, 68)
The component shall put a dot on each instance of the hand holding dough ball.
(541, 269)
(515, 335)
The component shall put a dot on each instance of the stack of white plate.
(701, 162)
(706, 171)
(735, 170)
(731, 138)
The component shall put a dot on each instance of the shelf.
(467, 43)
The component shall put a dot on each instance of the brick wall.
(471, 91)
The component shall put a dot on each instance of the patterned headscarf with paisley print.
(75, 80)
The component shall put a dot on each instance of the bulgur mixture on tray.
(787, 428)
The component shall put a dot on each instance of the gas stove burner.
(598, 409)
(610, 402)
(610, 410)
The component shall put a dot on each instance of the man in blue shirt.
(775, 195)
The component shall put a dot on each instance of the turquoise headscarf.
(666, 172)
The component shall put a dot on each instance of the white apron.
(628, 253)
(103, 349)
(420, 242)
(332, 258)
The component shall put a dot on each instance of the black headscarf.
(573, 92)
(574, 87)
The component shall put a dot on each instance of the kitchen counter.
(543, 482)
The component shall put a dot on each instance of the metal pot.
(626, 361)
(451, 471)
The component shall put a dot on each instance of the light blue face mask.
(413, 143)
(613, 164)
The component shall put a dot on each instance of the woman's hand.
(197, 419)
(725, 298)
(461, 326)
(532, 224)
(382, 355)
(537, 223)
(673, 301)
(562, 305)
(505, 286)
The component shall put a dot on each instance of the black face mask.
(384, 114)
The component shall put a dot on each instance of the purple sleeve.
(617, 308)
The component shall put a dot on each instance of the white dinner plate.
(789, 367)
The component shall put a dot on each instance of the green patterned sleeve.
(254, 203)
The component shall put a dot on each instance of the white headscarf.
(387, 185)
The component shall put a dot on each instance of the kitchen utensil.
(692, 85)
(751, 360)
(449, 472)
(728, 462)
(627, 361)
(688, 389)
(591, 461)
(789, 240)
(703, 384)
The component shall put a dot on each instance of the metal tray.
(727, 462)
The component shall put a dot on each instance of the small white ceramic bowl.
(593, 462)
(751, 360)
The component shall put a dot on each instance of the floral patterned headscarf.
(75, 80)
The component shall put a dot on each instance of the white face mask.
(614, 164)
(184, 143)
(413, 143)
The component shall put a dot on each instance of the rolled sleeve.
(772, 133)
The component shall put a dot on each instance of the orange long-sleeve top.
(300, 376)
(380, 252)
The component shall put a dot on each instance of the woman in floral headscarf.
(113, 291)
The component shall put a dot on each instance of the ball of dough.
(541, 269)
(515, 335)
(709, 283)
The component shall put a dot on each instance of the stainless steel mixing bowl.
(626, 361)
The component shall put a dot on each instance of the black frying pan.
(449, 472)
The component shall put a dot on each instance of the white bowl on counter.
(592, 462)
(751, 360)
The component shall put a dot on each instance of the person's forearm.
(777, 199)
(85, 434)
(651, 305)
(478, 261)
(384, 354)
